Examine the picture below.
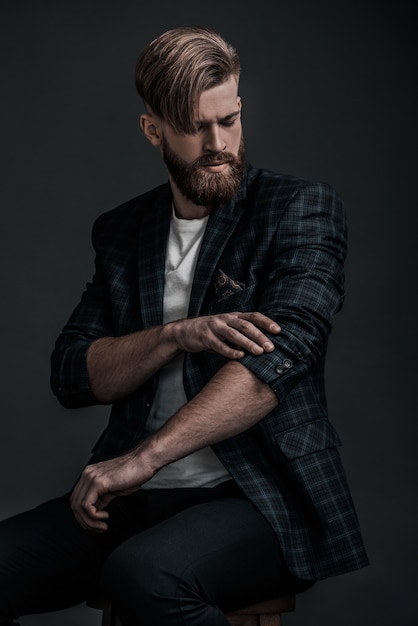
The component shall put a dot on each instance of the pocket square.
(225, 286)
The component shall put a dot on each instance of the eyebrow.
(226, 118)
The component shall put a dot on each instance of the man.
(217, 482)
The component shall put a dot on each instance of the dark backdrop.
(329, 91)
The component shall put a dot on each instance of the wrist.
(149, 454)
(171, 334)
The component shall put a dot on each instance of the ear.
(151, 129)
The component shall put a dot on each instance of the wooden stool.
(261, 614)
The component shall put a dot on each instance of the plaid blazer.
(279, 248)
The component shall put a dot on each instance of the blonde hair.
(173, 71)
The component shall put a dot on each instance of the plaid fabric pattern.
(278, 247)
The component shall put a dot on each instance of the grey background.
(329, 91)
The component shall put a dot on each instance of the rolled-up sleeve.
(303, 287)
(90, 320)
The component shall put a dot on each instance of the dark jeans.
(170, 557)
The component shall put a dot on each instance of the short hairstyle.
(177, 67)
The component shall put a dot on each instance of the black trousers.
(170, 557)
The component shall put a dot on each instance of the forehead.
(218, 101)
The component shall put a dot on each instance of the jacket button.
(279, 369)
(287, 363)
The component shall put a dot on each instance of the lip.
(217, 166)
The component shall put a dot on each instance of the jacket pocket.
(311, 437)
(240, 300)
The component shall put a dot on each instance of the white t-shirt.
(201, 468)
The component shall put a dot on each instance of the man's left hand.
(102, 482)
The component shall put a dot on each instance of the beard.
(204, 188)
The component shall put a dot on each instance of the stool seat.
(263, 613)
(260, 614)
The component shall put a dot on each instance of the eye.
(227, 124)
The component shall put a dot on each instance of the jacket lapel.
(151, 258)
(221, 224)
(152, 244)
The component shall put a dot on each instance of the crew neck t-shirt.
(201, 468)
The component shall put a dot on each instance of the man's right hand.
(228, 334)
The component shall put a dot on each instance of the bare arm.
(119, 365)
(232, 401)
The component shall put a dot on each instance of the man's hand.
(102, 482)
(229, 334)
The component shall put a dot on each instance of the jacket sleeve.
(303, 286)
(90, 320)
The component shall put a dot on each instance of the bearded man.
(217, 482)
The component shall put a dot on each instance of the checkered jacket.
(279, 248)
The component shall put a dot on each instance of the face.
(207, 166)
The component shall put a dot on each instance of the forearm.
(233, 401)
(118, 365)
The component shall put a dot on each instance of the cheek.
(189, 150)
(186, 147)
(236, 140)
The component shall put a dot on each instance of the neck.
(186, 209)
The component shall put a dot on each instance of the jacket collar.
(221, 224)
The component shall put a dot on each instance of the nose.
(214, 141)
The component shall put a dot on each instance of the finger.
(261, 320)
(214, 344)
(244, 334)
(88, 524)
(90, 517)
(85, 504)
(249, 340)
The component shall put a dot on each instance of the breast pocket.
(243, 299)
